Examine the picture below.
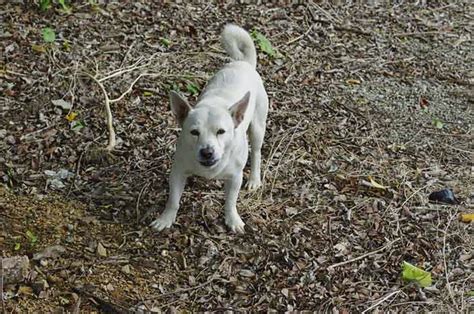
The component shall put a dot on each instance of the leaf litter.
(371, 110)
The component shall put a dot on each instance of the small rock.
(109, 287)
(101, 251)
(11, 140)
(15, 269)
(3, 133)
(64, 174)
(126, 269)
(444, 196)
(62, 103)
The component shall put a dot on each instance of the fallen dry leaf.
(467, 218)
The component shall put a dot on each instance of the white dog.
(213, 141)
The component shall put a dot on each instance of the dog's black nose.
(207, 153)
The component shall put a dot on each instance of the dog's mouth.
(209, 162)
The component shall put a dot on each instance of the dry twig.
(448, 284)
(364, 255)
(381, 300)
(110, 126)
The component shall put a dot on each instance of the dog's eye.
(195, 132)
(220, 131)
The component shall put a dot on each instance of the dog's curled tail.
(238, 44)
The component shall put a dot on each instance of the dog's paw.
(253, 184)
(235, 224)
(163, 222)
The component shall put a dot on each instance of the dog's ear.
(179, 107)
(237, 111)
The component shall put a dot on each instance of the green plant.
(49, 35)
(263, 43)
(438, 123)
(192, 88)
(94, 5)
(165, 42)
(45, 5)
(64, 7)
(31, 237)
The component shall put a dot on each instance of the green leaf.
(470, 293)
(31, 236)
(77, 125)
(64, 7)
(45, 5)
(17, 246)
(192, 88)
(49, 35)
(413, 273)
(438, 123)
(263, 43)
(165, 42)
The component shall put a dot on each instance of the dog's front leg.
(168, 217)
(232, 218)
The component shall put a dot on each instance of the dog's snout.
(207, 152)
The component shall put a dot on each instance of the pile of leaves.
(371, 111)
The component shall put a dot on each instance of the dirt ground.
(371, 111)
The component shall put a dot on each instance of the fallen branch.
(108, 112)
(381, 300)
(140, 64)
(363, 256)
(301, 36)
(129, 88)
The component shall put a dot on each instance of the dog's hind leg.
(257, 133)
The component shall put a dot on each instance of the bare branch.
(110, 127)
(364, 255)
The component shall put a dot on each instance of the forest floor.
(371, 111)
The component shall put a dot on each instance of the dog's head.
(208, 130)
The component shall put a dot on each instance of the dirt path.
(371, 110)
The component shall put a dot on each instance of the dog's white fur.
(213, 141)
